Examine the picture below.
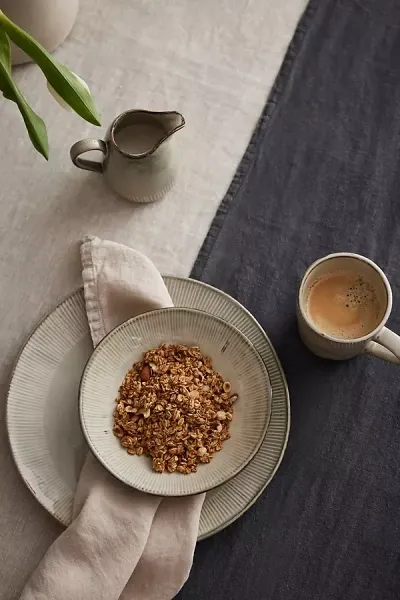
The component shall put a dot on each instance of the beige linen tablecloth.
(214, 62)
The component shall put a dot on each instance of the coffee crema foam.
(343, 305)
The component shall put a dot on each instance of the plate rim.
(79, 291)
(174, 309)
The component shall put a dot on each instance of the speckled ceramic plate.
(43, 418)
(232, 355)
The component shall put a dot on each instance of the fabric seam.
(264, 123)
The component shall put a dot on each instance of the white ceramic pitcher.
(138, 163)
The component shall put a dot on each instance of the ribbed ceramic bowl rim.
(193, 311)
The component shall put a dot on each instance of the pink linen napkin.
(122, 544)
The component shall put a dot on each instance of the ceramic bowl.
(232, 355)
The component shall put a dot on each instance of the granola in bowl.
(175, 408)
(123, 360)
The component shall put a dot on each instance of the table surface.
(215, 63)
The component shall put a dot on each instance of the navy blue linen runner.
(321, 174)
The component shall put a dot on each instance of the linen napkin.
(122, 543)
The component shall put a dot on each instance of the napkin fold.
(122, 544)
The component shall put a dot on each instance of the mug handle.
(85, 146)
(386, 346)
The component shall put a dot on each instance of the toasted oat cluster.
(173, 407)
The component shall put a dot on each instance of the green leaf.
(34, 124)
(65, 83)
(5, 51)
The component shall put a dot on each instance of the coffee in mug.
(343, 305)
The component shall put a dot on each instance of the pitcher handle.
(386, 346)
(85, 146)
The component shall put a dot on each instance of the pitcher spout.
(171, 122)
(137, 134)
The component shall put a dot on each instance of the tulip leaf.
(34, 124)
(67, 85)
(5, 51)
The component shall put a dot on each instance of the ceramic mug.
(380, 342)
(138, 161)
